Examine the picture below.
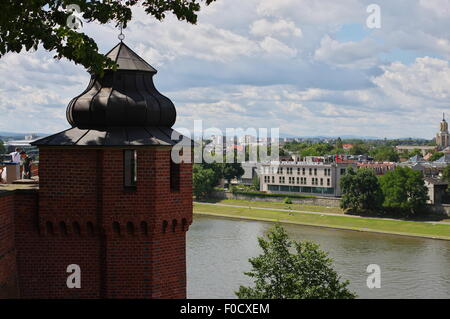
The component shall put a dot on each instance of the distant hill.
(20, 135)
(284, 135)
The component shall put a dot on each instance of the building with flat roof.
(306, 177)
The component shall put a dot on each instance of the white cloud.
(313, 11)
(266, 63)
(362, 54)
(441, 8)
(280, 27)
(277, 48)
(427, 78)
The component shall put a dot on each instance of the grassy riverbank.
(268, 211)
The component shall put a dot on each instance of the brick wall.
(8, 273)
(158, 257)
(128, 243)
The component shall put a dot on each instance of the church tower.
(442, 138)
(111, 200)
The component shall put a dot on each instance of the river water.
(218, 251)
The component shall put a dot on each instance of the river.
(218, 251)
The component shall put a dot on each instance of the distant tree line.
(380, 150)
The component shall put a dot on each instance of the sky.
(307, 67)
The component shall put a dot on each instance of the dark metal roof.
(127, 59)
(125, 97)
(121, 98)
(116, 136)
(121, 108)
(416, 159)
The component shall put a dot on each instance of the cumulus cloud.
(277, 48)
(265, 63)
(313, 11)
(427, 78)
(362, 54)
(284, 28)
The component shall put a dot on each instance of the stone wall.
(319, 201)
(443, 209)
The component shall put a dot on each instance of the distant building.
(424, 149)
(442, 138)
(311, 178)
(429, 169)
(436, 190)
(377, 167)
(251, 171)
(347, 147)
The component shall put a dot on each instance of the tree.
(361, 191)
(359, 149)
(256, 182)
(339, 144)
(232, 170)
(404, 190)
(217, 168)
(415, 152)
(282, 152)
(318, 149)
(2, 147)
(203, 181)
(385, 153)
(436, 156)
(305, 274)
(24, 25)
(446, 175)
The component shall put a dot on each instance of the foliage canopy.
(305, 273)
(24, 25)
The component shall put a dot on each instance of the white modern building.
(309, 178)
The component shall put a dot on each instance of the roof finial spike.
(121, 36)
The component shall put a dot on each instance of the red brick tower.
(111, 200)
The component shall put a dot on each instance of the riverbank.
(329, 219)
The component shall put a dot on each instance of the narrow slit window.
(130, 168)
(174, 176)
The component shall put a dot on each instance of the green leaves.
(404, 190)
(292, 270)
(26, 24)
(361, 191)
(399, 191)
(203, 180)
(385, 153)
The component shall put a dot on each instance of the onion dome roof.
(125, 97)
(121, 108)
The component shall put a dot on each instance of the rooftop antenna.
(121, 36)
(443, 116)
